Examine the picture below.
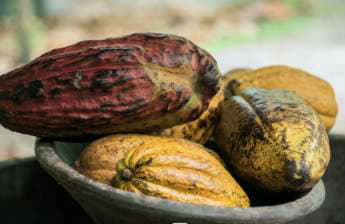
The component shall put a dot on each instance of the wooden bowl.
(107, 205)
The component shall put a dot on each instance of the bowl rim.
(65, 174)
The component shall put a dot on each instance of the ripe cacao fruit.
(315, 91)
(273, 139)
(201, 129)
(166, 167)
(137, 83)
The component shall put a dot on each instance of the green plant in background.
(296, 3)
(267, 29)
(29, 29)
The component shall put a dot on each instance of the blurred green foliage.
(6, 8)
(268, 30)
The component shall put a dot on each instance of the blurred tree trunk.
(29, 30)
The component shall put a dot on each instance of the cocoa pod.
(137, 83)
(273, 139)
(315, 91)
(201, 129)
(166, 167)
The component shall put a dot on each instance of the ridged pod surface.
(136, 83)
(273, 139)
(165, 167)
(315, 91)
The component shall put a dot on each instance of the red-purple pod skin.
(136, 83)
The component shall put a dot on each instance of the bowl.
(107, 205)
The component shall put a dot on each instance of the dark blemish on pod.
(126, 59)
(232, 86)
(126, 174)
(4, 95)
(279, 109)
(194, 114)
(145, 163)
(112, 104)
(120, 96)
(135, 108)
(186, 134)
(184, 100)
(292, 105)
(284, 144)
(3, 115)
(102, 74)
(35, 89)
(110, 49)
(292, 171)
(210, 78)
(102, 84)
(55, 92)
(108, 84)
(106, 74)
(169, 108)
(202, 124)
(178, 91)
(47, 63)
(18, 93)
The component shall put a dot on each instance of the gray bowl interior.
(108, 205)
(69, 152)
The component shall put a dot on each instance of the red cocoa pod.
(137, 83)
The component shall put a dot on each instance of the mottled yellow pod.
(273, 139)
(165, 167)
(201, 129)
(315, 91)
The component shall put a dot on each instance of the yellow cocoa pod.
(315, 91)
(165, 167)
(273, 139)
(201, 129)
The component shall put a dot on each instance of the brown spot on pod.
(35, 89)
(3, 115)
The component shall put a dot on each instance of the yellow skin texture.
(315, 91)
(273, 139)
(201, 129)
(165, 167)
